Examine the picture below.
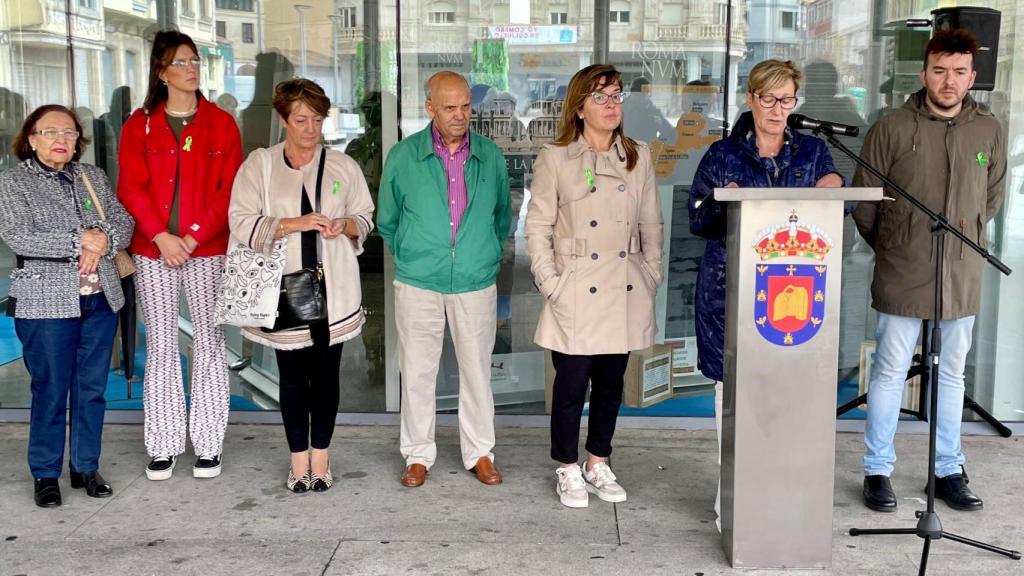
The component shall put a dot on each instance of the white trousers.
(420, 316)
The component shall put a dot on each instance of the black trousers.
(310, 380)
(604, 373)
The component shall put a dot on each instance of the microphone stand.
(928, 525)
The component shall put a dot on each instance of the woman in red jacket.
(178, 158)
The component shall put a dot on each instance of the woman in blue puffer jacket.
(761, 152)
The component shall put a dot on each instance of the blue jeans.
(62, 355)
(897, 338)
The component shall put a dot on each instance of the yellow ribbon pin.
(188, 144)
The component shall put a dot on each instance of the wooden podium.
(781, 362)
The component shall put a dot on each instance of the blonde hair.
(771, 74)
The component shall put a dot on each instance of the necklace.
(184, 114)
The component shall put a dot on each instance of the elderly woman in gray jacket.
(65, 293)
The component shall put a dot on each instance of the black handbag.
(303, 294)
(303, 299)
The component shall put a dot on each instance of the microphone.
(801, 122)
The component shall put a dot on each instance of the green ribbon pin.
(337, 186)
(590, 178)
(982, 160)
(188, 144)
(87, 203)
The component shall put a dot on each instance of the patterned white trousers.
(159, 289)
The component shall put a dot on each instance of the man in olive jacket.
(444, 212)
(949, 153)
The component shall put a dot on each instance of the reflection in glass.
(685, 62)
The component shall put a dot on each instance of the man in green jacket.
(949, 153)
(444, 212)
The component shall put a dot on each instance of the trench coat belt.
(581, 247)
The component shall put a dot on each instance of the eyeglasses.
(600, 98)
(53, 133)
(768, 101)
(182, 64)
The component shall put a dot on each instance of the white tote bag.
(251, 283)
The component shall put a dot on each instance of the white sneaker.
(570, 487)
(601, 481)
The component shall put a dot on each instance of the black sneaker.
(160, 468)
(207, 467)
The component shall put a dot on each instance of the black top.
(177, 124)
(310, 258)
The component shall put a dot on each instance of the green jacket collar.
(425, 143)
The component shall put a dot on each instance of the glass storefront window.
(684, 64)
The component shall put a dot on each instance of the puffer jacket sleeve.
(707, 215)
(824, 163)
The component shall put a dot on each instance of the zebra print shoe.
(322, 483)
(299, 485)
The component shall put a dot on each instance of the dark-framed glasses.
(183, 63)
(767, 101)
(53, 134)
(600, 98)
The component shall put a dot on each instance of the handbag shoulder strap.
(319, 178)
(316, 199)
(92, 194)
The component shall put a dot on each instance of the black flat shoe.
(953, 489)
(47, 493)
(94, 484)
(878, 493)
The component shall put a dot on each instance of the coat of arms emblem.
(789, 298)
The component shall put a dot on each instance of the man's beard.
(933, 98)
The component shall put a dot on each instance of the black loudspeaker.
(983, 23)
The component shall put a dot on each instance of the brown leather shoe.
(486, 472)
(414, 475)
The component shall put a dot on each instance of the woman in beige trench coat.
(593, 233)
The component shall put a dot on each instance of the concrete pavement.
(245, 522)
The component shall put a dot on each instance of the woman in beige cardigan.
(308, 357)
(593, 233)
